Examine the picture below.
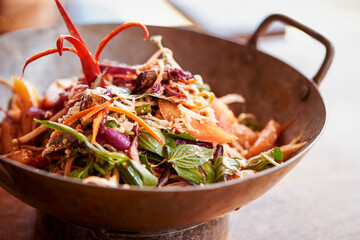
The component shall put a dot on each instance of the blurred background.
(320, 198)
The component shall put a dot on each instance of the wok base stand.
(50, 227)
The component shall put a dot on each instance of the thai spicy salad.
(153, 124)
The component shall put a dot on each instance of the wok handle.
(288, 21)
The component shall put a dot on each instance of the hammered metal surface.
(272, 89)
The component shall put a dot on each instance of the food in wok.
(153, 124)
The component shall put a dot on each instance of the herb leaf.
(146, 141)
(190, 156)
(144, 109)
(278, 155)
(263, 160)
(183, 135)
(83, 172)
(210, 172)
(135, 174)
(225, 166)
(191, 174)
(97, 150)
(169, 146)
(144, 160)
(103, 169)
(111, 124)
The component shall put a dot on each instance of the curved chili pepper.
(115, 32)
(70, 26)
(90, 68)
(43, 54)
(90, 65)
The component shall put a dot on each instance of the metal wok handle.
(288, 21)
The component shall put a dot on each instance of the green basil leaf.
(77, 152)
(190, 174)
(112, 124)
(146, 141)
(190, 156)
(135, 174)
(183, 135)
(136, 97)
(154, 156)
(81, 173)
(278, 155)
(144, 160)
(263, 160)
(97, 150)
(99, 169)
(224, 167)
(103, 169)
(169, 146)
(144, 109)
(210, 172)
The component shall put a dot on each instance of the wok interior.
(271, 88)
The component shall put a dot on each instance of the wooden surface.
(320, 198)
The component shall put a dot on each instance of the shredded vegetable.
(153, 124)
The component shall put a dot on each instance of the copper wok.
(272, 89)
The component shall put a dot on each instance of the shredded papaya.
(211, 98)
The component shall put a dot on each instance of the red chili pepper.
(115, 32)
(70, 26)
(90, 68)
(89, 64)
(44, 53)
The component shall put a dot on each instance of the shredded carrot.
(98, 108)
(88, 112)
(211, 97)
(139, 121)
(191, 81)
(96, 125)
(210, 94)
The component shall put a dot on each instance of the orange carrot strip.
(266, 140)
(210, 94)
(211, 97)
(98, 108)
(86, 112)
(190, 81)
(71, 119)
(96, 125)
(139, 121)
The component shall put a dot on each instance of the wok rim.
(191, 188)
